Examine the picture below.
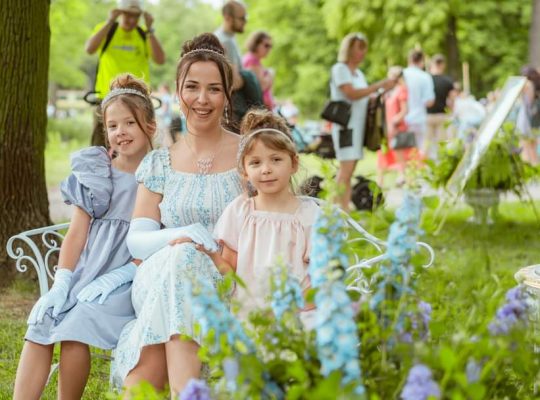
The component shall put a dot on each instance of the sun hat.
(132, 6)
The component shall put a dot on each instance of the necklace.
(204, 165)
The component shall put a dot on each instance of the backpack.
(108, 39)
(249, 95)
(366, 194)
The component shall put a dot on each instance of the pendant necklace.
(204, 165)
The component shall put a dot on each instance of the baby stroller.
(366, 194)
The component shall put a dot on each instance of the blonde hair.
(347, 43)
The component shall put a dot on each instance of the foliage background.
(492, 36)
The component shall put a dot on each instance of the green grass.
(57, 161)
(473, 267)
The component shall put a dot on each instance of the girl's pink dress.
(250, 60)
(260, 238)
(387, 159)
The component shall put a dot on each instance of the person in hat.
(124, 47)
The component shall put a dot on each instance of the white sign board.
(487, 131)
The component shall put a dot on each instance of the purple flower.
(472, 370)
(196, 389)
(511, 313)
(420, 384)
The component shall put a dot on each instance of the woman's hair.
(258, 120)
(205, 48)
(255, 39)
(347, 43)
(140, 106)
(532, 74)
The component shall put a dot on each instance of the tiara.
(204, 50)
(244, 140)
(117, 92)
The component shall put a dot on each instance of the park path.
(61, 212)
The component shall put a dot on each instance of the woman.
(528, 119)
(186, 186)
(348, 83)
(259, 45)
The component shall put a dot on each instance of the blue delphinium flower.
(514, 311)
(420, 384)
(212, 314)
(336, 334)
(395, 273)
(196, 389)
(286, 292)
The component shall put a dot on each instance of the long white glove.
(145, 237)
(56, 297)
(106, 283)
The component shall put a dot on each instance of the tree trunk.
(534, 35)
(452, 49)
(24, 60)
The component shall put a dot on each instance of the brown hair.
(260, 119)
(255, 39)
(141, 107)
(214, 53)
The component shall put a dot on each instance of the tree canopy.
(492, 36)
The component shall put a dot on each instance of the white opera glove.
(106, 283)
(56, 297)
(145, 237)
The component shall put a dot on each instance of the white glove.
(106, 283)
(145, 237)
(56, 297)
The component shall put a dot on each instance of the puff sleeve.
(90, 184)
(151, 171)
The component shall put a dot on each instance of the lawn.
(474, 266)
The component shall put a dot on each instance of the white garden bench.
(35, 248)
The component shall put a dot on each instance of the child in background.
(90, 300)
(395, 111)
(255, 231)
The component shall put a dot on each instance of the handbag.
(403, 140)
(374, 130)
(337, 111)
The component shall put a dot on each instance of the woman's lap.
(161, 303)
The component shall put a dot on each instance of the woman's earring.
(226, 115)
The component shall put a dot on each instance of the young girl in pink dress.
(274, 223)
(395, 111)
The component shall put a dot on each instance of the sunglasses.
(267, 45)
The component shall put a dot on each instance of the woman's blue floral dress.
(159, 290)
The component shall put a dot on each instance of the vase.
(484, 203)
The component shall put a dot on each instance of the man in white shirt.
(421, 95)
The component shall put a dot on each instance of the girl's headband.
(195, 51)
(244, 140)
(117, 92)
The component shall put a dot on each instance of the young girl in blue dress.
(90, 300)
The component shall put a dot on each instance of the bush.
(77, 128)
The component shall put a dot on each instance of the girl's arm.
(75, 239)
(403, 109)
(224, 261)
